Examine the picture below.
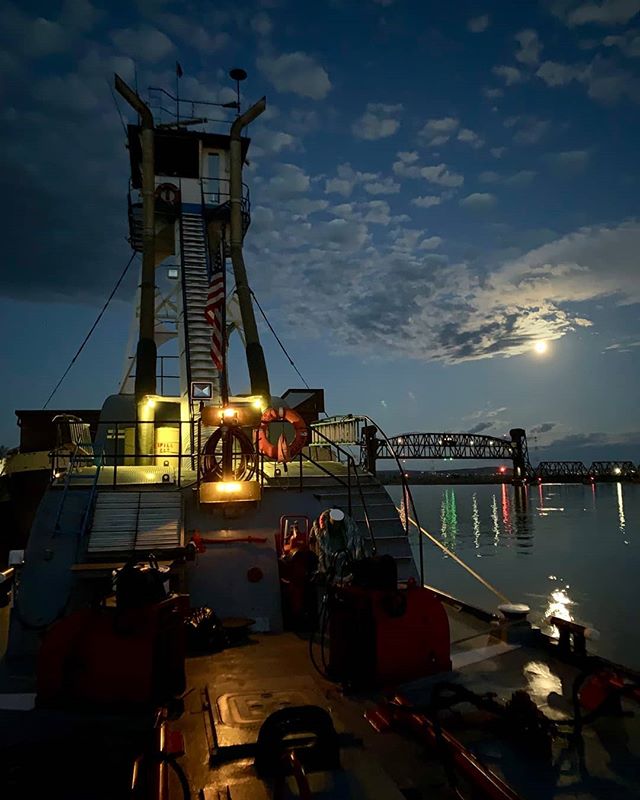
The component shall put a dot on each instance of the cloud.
(510, 75)
(604, 12)
(569, 160)
(555, 74)
(530, 47)
(296, 72)
(626, 346)
(193, 34)
(384, 186)
(302, 207)
(440, 175)
(438, 131)
(489, 176)
(426, 201)
(346, 180)
(544, 427)
(406, 167)
(480, 426)
(605, 81)
(529, 129)
(288, 180)
(497, 152)
(398, 299)
(144, 43)
(408, 157)
(521, 178)
(378, 122)
(492, 92)
(269, 142)
(430, 243)
(478, 24)
(261, 24)
(478, 201)
(469, 137)
(628, 43)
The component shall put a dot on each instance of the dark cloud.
(591, 439)
(481, 426)
(544, 427)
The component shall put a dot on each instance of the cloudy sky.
(436, 187)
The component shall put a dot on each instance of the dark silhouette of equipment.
(128, 656)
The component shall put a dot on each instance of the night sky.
(436, 187)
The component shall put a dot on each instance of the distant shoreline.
(443, 480)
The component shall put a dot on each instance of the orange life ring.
(282, 450)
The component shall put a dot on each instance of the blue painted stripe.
(192, 208)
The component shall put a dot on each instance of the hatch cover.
(237, 714)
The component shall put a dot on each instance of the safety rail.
(186, 110)
(217, 192)
(351, 430)
(79, 458)
(351, 465)
(118, 459)
(407, 496)
(340, 430)
(161, 375)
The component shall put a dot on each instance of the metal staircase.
(130, 522)
(362, 496)
(388, 531)
(196, 345)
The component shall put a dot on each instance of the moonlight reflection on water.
(565, 550)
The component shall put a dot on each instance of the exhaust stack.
(255, 355)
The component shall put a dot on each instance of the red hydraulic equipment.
(379, 638)
(133, 657)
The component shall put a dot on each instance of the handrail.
(65, 488)
(92, 498)
(347, 484)
(350, 461)
(75, 457)
(406, 492)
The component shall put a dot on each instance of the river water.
(568, 550)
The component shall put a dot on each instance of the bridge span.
(374, 445)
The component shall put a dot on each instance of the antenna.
(237, 74)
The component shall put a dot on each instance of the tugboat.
(219, 599)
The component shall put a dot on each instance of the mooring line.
(457, 559)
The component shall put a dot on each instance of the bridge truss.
(446, 445)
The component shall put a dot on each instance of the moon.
(541, 347)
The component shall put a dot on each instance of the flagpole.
(225, 372)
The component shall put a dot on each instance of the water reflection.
(506, 508)
(494, 521)
(545, 551)
(449, 518)
(558, 605)
(475, 518)
(522, 523)
(622, 523)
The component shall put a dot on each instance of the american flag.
(214, 313)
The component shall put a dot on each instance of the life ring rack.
(271, 450)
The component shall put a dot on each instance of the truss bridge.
(420, 446)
